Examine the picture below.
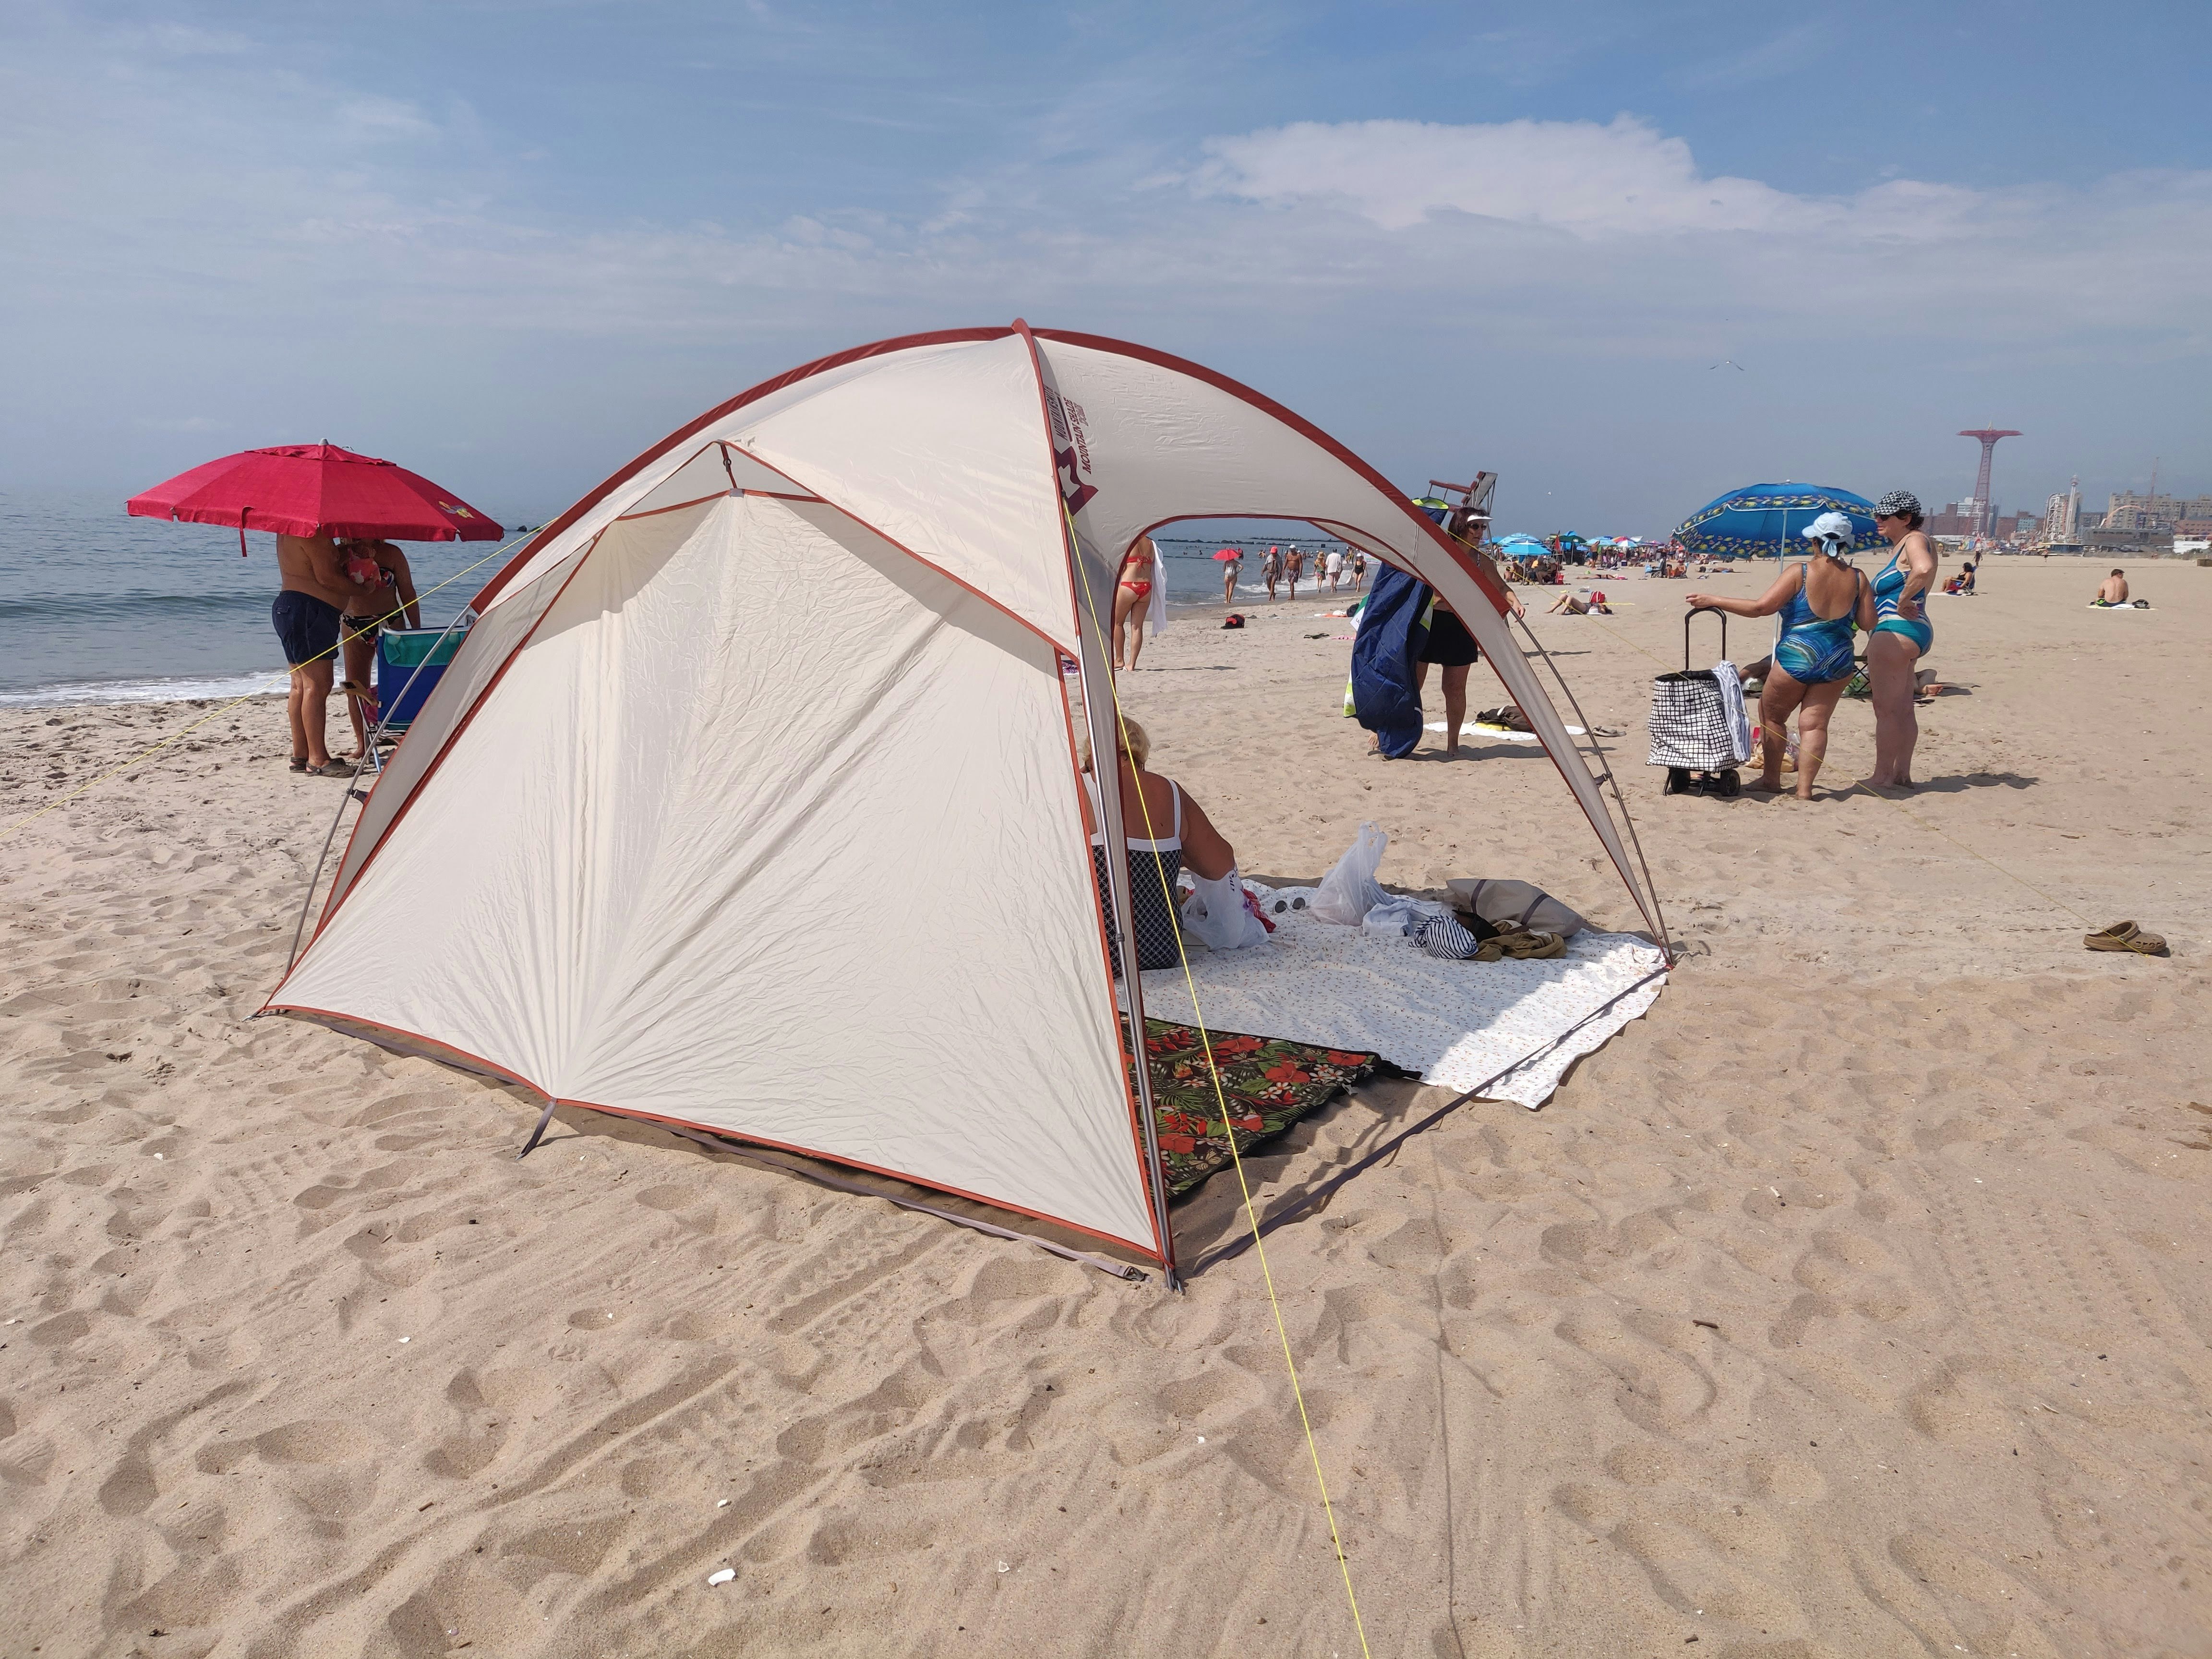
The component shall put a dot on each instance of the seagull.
(1727, 362)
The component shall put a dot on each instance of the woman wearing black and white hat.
(1901, 636)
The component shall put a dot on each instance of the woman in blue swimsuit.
(1901, 636)
(1821, 602)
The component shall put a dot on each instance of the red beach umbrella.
(315, 490)
(1227, 554)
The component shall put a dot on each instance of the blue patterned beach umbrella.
(1762, 520)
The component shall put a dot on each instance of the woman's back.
(1829, 593)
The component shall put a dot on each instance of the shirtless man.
(306, 615)
(2115, 590)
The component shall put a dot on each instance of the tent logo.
(1071, 452)
(457, 511)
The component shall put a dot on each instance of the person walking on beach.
(1821, 601)
(1293, 562)
(1359, 568)
(1334, 563)
(1232, 568)
(1271, 570)
(305, 617)
(1901, 636)
(1133, 592)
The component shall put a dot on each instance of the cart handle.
(1702, 611)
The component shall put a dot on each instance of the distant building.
(2151, 515)
(1957, 518)
(2062, 515)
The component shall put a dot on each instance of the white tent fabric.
(750, 802)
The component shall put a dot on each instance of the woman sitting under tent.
(1165, 830)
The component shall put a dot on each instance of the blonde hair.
(1130, 739)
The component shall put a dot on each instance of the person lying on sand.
(1568, 604)
(2115, 590)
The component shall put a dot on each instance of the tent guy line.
(1220, 1101)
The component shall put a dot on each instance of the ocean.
(96, 606)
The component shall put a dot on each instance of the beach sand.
(1852, 1303)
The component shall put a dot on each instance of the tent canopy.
(751, 802)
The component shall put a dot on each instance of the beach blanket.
(1489, 733)
(1268, 1084)
(1510, 1029)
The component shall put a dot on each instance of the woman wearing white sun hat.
(1821, 602)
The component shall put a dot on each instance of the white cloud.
(1624, 179)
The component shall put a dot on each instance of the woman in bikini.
(1901, 636)
(1132, 596)
(1821, 602)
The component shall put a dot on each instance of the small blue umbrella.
(1521, 538)
(1769, 518)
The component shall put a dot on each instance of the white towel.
(1157, 615)
(1739, 723)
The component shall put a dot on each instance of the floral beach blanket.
(1268, 1085)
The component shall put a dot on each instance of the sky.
(1626, 256)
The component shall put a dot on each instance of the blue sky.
(510, 244)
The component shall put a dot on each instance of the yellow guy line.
(1861, 783)
(143, 755)
(1228, 1129)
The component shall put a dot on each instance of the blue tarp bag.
(1384, 655)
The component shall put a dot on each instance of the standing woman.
(1902, 634)
(1132, 595)
(1821, 601)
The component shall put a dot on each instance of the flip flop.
(2126, 936)
(298, 762)
(336, 769)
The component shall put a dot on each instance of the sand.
(1852, 1303)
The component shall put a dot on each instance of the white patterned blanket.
(1510, 1028)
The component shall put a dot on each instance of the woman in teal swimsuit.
(1821, 602)
(1901, 636)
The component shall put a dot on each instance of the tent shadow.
(1210, 1220)
(835, 1184)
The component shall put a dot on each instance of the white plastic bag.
(1348, 892)
(1396, 917)
(1215, 914)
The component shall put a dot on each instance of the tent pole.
(537, 1135)
(1101, 718)
(1101, 715)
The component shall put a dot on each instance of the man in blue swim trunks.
(306, 615)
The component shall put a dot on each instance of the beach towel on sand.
(1268, 1085)
(1384, 653)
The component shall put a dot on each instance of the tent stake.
(535, 1135)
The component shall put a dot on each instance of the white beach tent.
(751, 802)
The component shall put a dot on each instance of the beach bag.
(1348, 892)
(1516, 907)
(1690, 725)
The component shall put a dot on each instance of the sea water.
(96, 606)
